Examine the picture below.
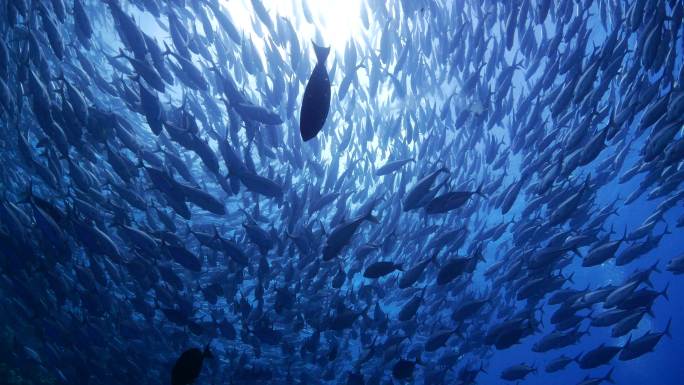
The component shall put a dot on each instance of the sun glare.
(335, 21)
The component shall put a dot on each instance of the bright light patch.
(335, 21)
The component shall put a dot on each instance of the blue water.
(158, 192)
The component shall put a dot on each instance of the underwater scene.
(360, 192)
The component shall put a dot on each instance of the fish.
(492, 185)
(644, 344)
(392, 166)
(341, 235)
(598, 356)
(676, 265)
(188, 366)
(598, 380)
(517, 372)
(559, 363)
(380, 269)
(450, 201)
(316, 99)
(403, 369)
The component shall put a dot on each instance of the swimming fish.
(316, 99)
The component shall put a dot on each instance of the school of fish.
(202, 205)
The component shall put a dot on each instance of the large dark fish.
(316, 101)
(188, 366)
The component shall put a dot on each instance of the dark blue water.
(257, 192)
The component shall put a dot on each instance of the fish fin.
(609, 377)
(667, 230)
(655, 268)
(479, 190)
(216, 234)
(667, 328)
(167, 51)
(575, 250)
(207, 351)
(188, 228)
(569, 278)
(588, 331)
(139, 164)
(370, 217)
(321, 52)
(664, 292)
(364, 312)
(322, 228)
(27, 196)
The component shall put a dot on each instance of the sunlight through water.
(334, 21)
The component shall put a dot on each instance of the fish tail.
(569, 278)
(664, 292)
(27, 195)
(667, 328)
(321, 52)
(364, 312)
(479, 190)
(371, 218)
(577, 357)
(608, 377)
(207, 352)
(654, 267)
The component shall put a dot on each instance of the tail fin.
(608, 377)
(370, 217)
(667, 328)
(321, 52)
(207, 352)
(654, 267)
(479, 190)
(27, 196)
(664, 292)
(576, 251)
(458, 331)
(140, 163)
(667, 229)
(364, 312)
(577, 357)
(588, 331)
(569, 278)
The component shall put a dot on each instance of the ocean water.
(341, 192)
